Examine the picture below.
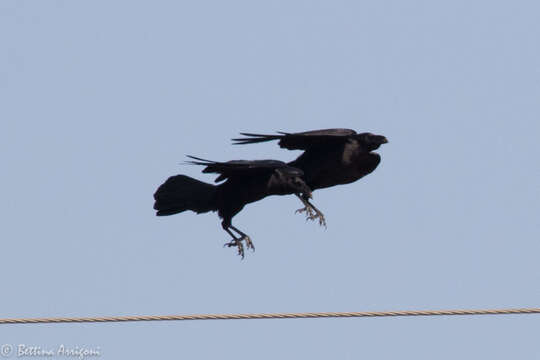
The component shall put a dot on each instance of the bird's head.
(298, 184)
(293, 178)
(371, 141)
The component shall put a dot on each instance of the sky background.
(102, 100)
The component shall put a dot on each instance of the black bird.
(331, 157)
(247, 181)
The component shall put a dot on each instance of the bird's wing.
(235, 168)
(301, 140)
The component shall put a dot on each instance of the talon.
(249, 243)
(237, 243)
(240, 249)
(307, 210)
(312, 214)
(322, 221)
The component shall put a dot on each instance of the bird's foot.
(249, 243)
(237, 243)
(240, 246)
(312, 214)
(308, 210)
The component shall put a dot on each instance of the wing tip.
(200, 161)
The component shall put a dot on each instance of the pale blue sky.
(101, 100)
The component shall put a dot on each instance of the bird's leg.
(308, 209)
(245, 237)
(235, 242)
(312, 212)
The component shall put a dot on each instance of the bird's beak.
(384, 140)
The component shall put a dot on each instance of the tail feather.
(180, 193)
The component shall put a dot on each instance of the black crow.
(331, 157)
(247, 181)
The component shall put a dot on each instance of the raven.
(331, 157)
(247, 181)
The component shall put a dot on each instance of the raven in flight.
(247, 181)
(331, 157)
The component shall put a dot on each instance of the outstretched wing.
(241, 167)
(301, 140)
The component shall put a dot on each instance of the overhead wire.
(402, 313)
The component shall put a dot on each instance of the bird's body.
(245, 182)
(331, 156)
(337, 165)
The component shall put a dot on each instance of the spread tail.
(180, 193)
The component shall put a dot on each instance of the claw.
(249, 243)
(312, 214)
(322, 220)
(307, 210)
(237, 243)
